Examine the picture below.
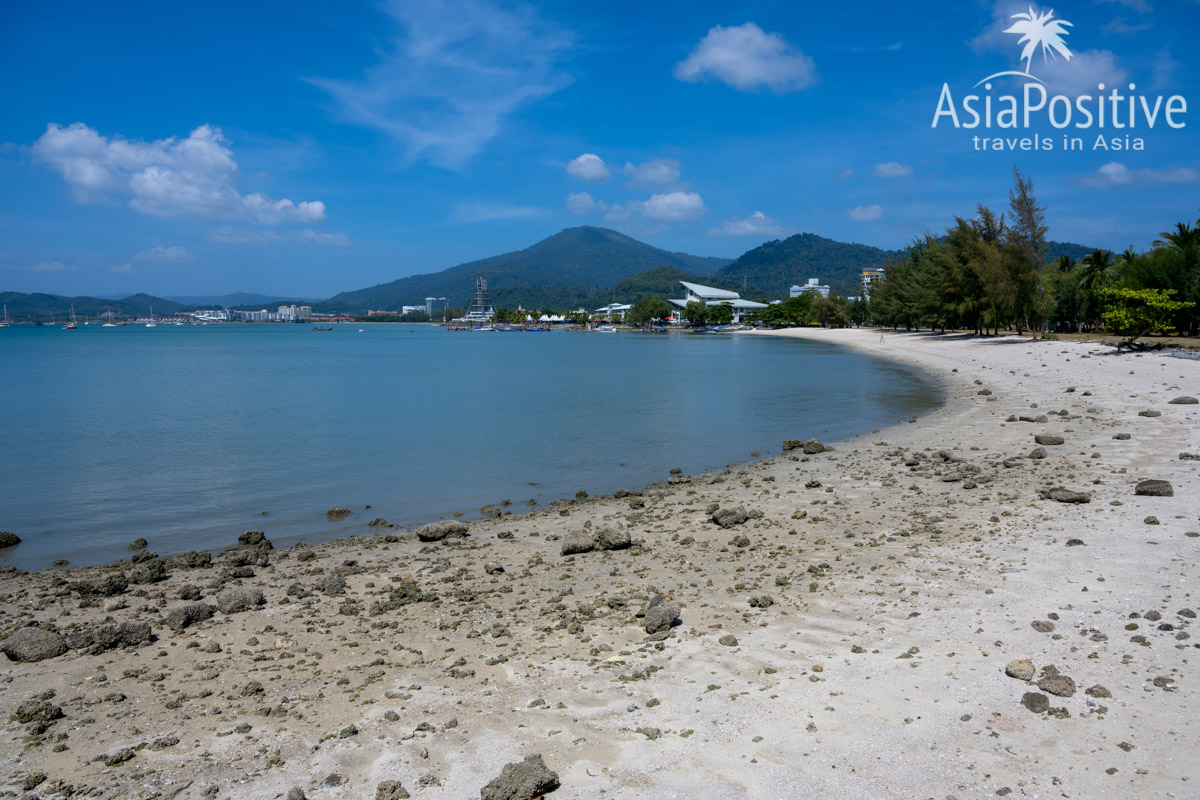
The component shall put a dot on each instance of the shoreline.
(874, 614)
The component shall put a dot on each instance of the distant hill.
(23, 306)
(566, 270)
(1074, 251)
(239, 300)
(660, 282)
(775, 266)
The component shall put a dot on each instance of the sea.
(188, 436)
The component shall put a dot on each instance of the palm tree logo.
(1037, 29)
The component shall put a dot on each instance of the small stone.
(1049, 439)
(1150, 413)
(661, 614)
(1042, 626)
(521, 780)
(1022, 669)
(391, 790)
(729, 640)
(437, 531)
(1154, 487)
(1059, 685)
(1036, 702)
(1183, 401)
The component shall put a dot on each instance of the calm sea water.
(187, 435)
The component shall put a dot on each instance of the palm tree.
(1182, 238)
(1096, 266)
(1039, 29)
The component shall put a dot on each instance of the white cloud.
(1114, 173)
(620, 213)
(1083, 73)
(227, 234)
(192, 177)
(588, 167)
(656, 172)
(481, 212)
(892, 169)
(1123, 27)
(674, 207)
(582, 203)
(748, 59)
(446, 82)
(865, 213)
(757, 224)
(121, 269)
(165, 254)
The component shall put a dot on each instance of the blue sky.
(308, 148)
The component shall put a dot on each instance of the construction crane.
(480, 309)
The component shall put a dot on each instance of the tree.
(828, 311)
(1133, 313)
(647, 310)
(696, 312)
(721, 314)
(1027, 235)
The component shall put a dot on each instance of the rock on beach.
(33, 644)
(521, 780)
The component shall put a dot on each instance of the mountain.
(239, 299)
(32, 306)
(774, 267)
(660, 282)
(566, 270)
(1073, 251)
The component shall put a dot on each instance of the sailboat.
(70, 326)
(4, 323)
(151, 323)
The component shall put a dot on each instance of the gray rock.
(1021, 669)
(255, 539)
(493, 568)
(578, 542)
(1183, 401)
(1154, 488)
(331, 585)
(296, 793)
(151, 571)
(33, 644)
(107, 586)
(613, 539)
(1150, 413)
(391, 790)
(792, 444)
(107, 637)
(196, 559)
(661, 614)
(1036, 702)
(437, 531)
(1061, 495)
(1097, 691)
(1121, 437)
(1059, 685)
(1037, 453)
(237, 599)
(1042, 626)
(180, 617)
(521, 780)
(8, 539)
(1189, 457)
(728, 517)
(1049, 439)
(337, 514)
(729, 640)
(812, 447)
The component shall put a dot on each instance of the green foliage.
(793, 311)
(647, 310)
(696, 313)
(829, 311)
(48, 306)
(1133, 313)
(776, 265)
(721, 314)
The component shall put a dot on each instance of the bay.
(187, 435)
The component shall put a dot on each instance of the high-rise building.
(436, 306)
(871, 277)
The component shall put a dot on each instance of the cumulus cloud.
(1114, 173)
(674, 207)
(865, 213)
(582, 203)
(192, 177)
(165, 254)
(121, 269)
(757, 224)
(446, 82)
(892, 169)
(748, 59)
(588, 167)
(656, 172)
(227, 234)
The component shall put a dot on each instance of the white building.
(710, 296)
(871, 278)
(813, 285)
(613, 310)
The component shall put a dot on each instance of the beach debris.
(337, 514)
(1154, 487)
(521, 780)
(1022, 669)
(1183, 401)
(391, 790)
(728, 517)
(1061, 495)
(29, 645)
(661, 614)
(437, 531)
(237, 599)
(1049, 439)
(178, 618)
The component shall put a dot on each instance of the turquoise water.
(186, 435)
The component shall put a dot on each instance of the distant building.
(436, 307)
(813, 285)
(613, 310)
(870, 278)
(711, 296)
(378, 312)
(304, 312)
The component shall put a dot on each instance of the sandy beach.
(912, 613)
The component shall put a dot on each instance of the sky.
(301, 149)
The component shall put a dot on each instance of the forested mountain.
(23, 306)
(774, 267)
(563, 271)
